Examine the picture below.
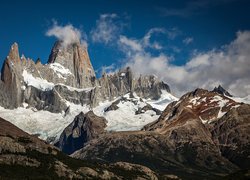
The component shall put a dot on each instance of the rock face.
(84, 128)
(222, 91)
(10, 76)
(24, 156)
(75, 58)
(125, 81)
(232, 134)
(204, 133)
(67, 77)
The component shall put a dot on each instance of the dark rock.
(221, 91)
(84, 128)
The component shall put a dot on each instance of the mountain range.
(59, 120)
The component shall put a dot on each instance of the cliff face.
(75, 58)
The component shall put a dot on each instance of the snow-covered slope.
(163, 101)
(125, 117)
(43, 123)
(245, 100)
(50, 125)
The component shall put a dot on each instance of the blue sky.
(181, 30)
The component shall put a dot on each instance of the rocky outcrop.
(125, 81)
(222, 91)
(12, 81)
(24, 156)
(84, 128)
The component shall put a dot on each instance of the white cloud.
(228, 66)
(106, 29)
(67, 34)
(188, 40)
(131, 43)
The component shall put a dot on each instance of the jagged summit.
(68, 77)
(222, 91)
(75, 58)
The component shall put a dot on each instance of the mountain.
(64, 87)
(202, 134)
(68, 71)
(207, 105)
(119, 126)
(23, 156)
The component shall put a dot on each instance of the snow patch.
(122, 74)
(36, 82)
(195, 101)
(163, 101)
(58, 68)
(77, 89)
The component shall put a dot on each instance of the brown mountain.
(204, 134)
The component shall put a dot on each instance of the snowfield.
(50, 125)
(43, 123)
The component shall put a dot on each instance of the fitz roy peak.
(68, 77)
(75, 58)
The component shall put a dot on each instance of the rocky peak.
(222, 91)
(206, 105)
(14, 54)
(75, 58)
(12, 60)
(84, 128)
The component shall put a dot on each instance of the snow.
(60, 70)
(76, 89)
(163, 101)
(221, 103)
(245, 100)
(23, 87)
(36, 82)
(124, 118)
(43, 123)
(195, 101)
(122, 74)
(50, 125)
(203, 121)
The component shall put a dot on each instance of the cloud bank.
(67, 34)
(229, 66)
